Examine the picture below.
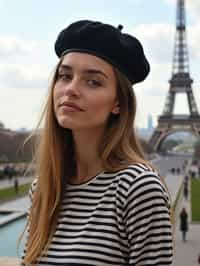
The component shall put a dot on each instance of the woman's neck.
(83, 173)
(88, 161)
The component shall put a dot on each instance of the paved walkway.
(186, 253)
(9, 261)
(173, 182)
(18, 205)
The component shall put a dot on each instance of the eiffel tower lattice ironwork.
(180, 82)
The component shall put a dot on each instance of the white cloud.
(12, 46)
(21, 108)
(23, 76)
(22, 82)
(171, 2)
(194, 41)
(157, 40)
(194, 6)
(152, 92)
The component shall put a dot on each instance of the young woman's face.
(85, 92)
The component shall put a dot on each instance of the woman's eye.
(94, 83)
(64, 77)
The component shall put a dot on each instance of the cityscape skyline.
(28, 58)
(149, 125)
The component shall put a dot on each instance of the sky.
(28, 31)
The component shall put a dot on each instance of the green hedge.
(9, 193)
(195, 199)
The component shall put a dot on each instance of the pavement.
(18, 205)
(186, 253)
(9, 261)
(173, 183)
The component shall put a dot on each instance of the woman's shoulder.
(136, 171)
(141, 179)
(141, 175)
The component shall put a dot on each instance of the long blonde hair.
(54, 162)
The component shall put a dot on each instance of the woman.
(183, 223)
(96, 200)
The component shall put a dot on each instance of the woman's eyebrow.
(87, 71)
(64, 67)
(95, 71)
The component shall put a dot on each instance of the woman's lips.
(71, 107)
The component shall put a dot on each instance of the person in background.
(16, 185)
(183, 223)
(198, 259)
(96, 200)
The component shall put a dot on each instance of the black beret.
(107, 42)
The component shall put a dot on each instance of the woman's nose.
(72, 88)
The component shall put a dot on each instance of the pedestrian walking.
(186, 179)
(178, 171)
(9, 171)
(183, 223)
(16, 185)
(96, 200)
(198, 259)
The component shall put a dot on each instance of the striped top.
(119, 218)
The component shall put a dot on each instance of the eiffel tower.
(180, 82)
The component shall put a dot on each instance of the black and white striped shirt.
(120, 218)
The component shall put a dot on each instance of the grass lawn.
(9, 193)
(195, 199)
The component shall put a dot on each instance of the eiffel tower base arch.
(168, 125)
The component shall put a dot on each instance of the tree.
(1, 125)
(12, 146)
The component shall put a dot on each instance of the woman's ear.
(116, 109)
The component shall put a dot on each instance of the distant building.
(150, 122)
(145, 133)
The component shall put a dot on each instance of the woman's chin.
(65, 124)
